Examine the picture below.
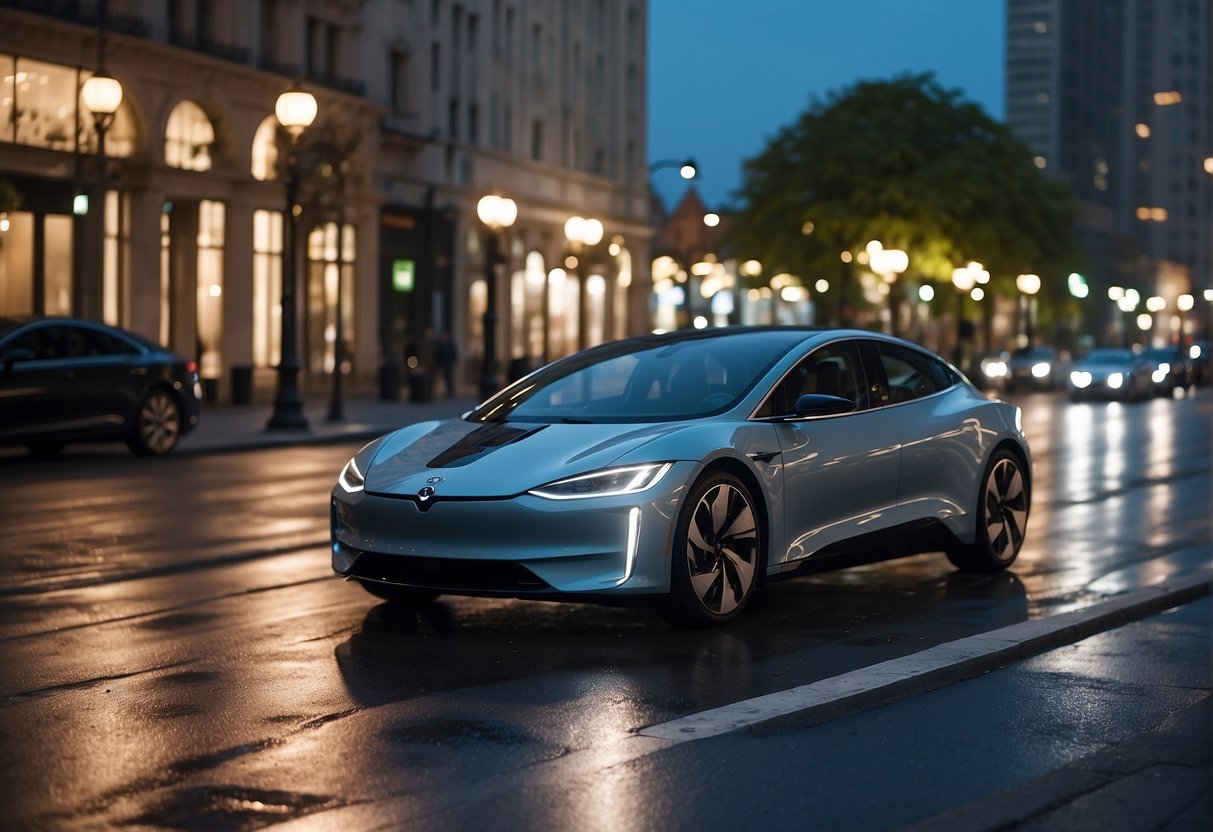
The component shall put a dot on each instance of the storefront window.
(57, 265)
(8, 83)
(188, 138)
(209, 278)
(117, 257)
(265, 150)
(330, 268)
(267, 288)
(166, 275)
(45, 98)
(619, 323)
(595, 310)
(563, 300)
(526, 309)
(17, 264)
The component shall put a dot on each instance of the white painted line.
(937, 666)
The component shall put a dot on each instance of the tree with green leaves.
(915, 166)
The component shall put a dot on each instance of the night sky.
(724, 75)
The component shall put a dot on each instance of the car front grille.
(449, 574)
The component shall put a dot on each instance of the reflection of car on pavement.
(1170, 369)
(1111, 373)
(71, 380)
(684, 470)
(1032, 367)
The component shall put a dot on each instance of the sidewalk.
(226, 427)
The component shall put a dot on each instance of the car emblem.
(425, 493)
(436, 480)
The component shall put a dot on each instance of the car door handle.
(763, 456)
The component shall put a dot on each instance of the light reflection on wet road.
(173, 640)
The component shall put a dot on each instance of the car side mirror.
(11, 357)
(820, 404)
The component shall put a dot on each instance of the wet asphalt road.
(176, 652)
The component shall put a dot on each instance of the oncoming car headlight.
(1041, 369)
(351, 478)
(1116, 380)
(610, 482)
(1080, 379)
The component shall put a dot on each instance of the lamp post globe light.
(497, 213)
(102, 95)
(964, 279)
(296, 110)
(888, 263)
(582, 233)
(1028, 285)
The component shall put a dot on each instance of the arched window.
(526, 308)
(188, 138)
(265, 150)
(623, 279)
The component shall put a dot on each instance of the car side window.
(833, 370)
(47, 343)
(911, 374)
(85, 341)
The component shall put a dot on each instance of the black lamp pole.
(288, 403)
(489, 383)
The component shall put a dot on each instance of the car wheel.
(409, 596)
(717, 552)
(1002, 517)
(157, 425)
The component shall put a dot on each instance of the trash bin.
(421, 386)
(210, 390)
(242, 384)
(389, 381)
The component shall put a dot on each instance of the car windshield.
(1033, 354)
(652, 379)
(1159, 354)
(1109, 357)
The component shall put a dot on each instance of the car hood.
(500, 459)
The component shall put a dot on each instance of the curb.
(936, 667)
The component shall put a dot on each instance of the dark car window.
(86, 341)
(912, 374)
(834, 370)
(48, 342)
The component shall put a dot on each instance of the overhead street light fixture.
(497, 213)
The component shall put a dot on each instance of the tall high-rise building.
(1116, 98)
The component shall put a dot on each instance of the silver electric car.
(684, 470)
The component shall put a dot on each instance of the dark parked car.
(72, 380)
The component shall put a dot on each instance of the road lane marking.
(935, 667)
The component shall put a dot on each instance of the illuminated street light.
(102, 95)
(296, 110)
(888, 263)
(582, 233)
(1028, 285)
(964, 279)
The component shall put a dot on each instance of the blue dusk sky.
(725, 75)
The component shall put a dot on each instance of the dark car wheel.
(1002, 517)
(407, 596)
(717, 553)
(157, 425)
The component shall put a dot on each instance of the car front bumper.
(524, 546)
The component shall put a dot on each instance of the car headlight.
(1160, 375)
(1041, 369)
(351, 478)
(1194, 351)
(1116, 380)
(1080, 379)
(610, 482)
(995, 369)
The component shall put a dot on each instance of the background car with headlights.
(1038, 368)
(1111, 373)
(1172, 369)
(74, 380)
(684, 470)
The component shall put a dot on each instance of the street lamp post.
(687, 168)
(582, 234)
(497, 213)
(1183, 305)
(1028, 285)
(102, 95)
(296, 110)
(1127, 303)
(964, 280)
(888, 263)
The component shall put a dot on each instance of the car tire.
(718, 552)
(157, 424)
(405, 596)
(1002, 516)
